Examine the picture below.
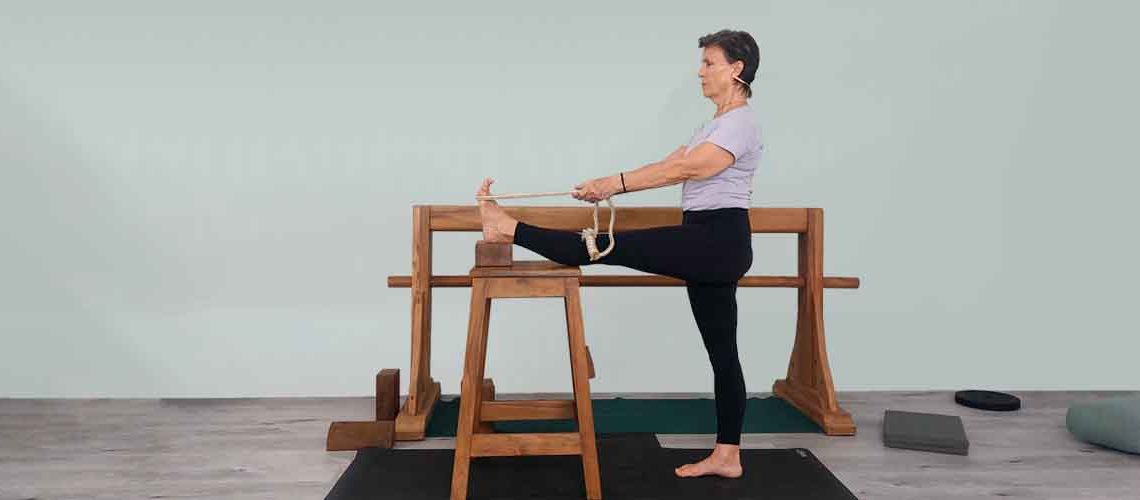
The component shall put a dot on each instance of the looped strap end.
(590, 236)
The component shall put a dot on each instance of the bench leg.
(809, 387)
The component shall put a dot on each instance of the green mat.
(662, 416)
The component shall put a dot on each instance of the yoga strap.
(589, 235)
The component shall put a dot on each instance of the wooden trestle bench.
(808, 385)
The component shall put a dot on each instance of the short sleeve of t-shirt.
(735, 136)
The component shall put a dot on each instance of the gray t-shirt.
(738, 132)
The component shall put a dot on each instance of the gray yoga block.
(925, 432)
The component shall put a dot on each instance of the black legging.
(711, 250)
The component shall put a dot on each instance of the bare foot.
(724, 462)
(498, 227)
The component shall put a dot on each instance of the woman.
(712, 248)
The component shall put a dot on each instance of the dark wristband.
(622, 174)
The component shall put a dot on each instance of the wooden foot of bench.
(411, 426)
(834, 421)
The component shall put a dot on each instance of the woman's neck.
(729, 106)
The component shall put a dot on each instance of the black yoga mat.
(632, 466)
(661, 416)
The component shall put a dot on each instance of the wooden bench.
(808, 385)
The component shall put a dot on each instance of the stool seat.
(474, 436)
(528, 268)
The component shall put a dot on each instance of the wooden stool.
(473, 439)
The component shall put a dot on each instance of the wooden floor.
(274, 448)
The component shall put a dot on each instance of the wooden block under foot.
(493, 254)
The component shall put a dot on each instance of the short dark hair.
(737, 46)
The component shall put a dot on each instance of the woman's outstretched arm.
(657, 174)
(705, 160)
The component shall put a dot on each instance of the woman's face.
(716, 74)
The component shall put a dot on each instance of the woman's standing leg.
(710, 262)
(714, 308)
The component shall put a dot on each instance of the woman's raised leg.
(682, 251)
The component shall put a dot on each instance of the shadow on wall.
(73, 257)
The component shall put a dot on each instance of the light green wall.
(206, 200)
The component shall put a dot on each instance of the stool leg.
(486, 387)
(470, 393)
(579, 369)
